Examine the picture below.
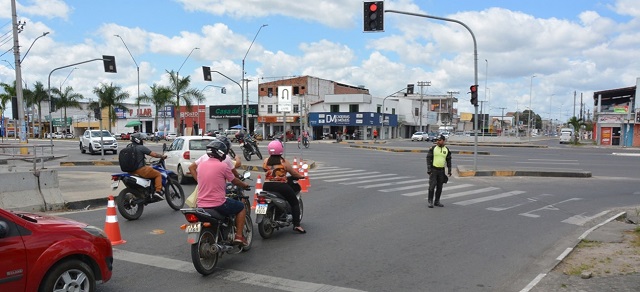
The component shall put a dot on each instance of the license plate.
(193, 227)
(261, 209)
(114, 185)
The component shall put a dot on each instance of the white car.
(94, 140)
(420, 136)
(170, 136)
(183, 151)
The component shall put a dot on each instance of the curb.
(85, 163)
(464, 172)
(463, 152)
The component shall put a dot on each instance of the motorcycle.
(249, 147)
(211, 234)
(273, 211)
(138, 191)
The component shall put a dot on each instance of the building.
(616, 117)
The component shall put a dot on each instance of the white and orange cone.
(258, 190)
(111, 227)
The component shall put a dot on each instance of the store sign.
(610, 119)
(231, 111)
(284, 98)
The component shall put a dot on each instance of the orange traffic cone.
(304, 185)
(111, 227)
(295, 164)
(258, 190)
(306, 176)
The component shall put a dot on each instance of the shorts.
(230, 207)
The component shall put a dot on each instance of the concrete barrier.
(30, 191)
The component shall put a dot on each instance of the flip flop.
(299, 230)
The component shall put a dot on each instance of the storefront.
(222, 117)
(359, 126)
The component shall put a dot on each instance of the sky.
(536, 53)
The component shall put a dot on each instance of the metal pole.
(19, 96)
(243, 87)
(138, 70)
(475, 74)
(530, 95)
(178, 89)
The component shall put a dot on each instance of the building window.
(270, 109)
(416, 112)
(393, 111)
(335, 108)
(277, 109)
(379, 109)
(354, 108)
(296, 90)
(296, 108)
(269, 92)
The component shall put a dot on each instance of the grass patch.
(588, 243)
(636, 237)
(577, 270)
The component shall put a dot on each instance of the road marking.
(355, 178)
(375, 180)
(471, 192)
(270, 282)
(527, 162)
(529, 200)
(550, 207)
(405, 188)
(324, 170)
(392, 183)
(418, 193)
(552, 159)
(533, 283)
(426, 192)
(580, 219)
(342, 174)
(626, 154)
(489, 198)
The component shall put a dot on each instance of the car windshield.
(97, 134)
(199, 144)
(418, 133)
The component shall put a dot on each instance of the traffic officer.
(437, 156)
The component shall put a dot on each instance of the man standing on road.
(437, 156)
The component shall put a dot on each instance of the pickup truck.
(94, 140)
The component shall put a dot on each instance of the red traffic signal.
(474, 94)
(373, 16)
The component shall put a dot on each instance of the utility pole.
(502, 120)
(450, 108)
(422, 84)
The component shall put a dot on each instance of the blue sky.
(570, 46)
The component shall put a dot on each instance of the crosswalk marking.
(471, 192)
(489, 198)
(580, 219)
(391, 183)
(405, 188)
(550, 207)
(343, 173)
(323, 171)
(418, 193)
(356, 178)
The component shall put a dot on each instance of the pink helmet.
(275, 147)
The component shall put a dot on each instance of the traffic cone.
(306, 175)
(111, 227)
(295, 164)
(258, 190)
(304, 184)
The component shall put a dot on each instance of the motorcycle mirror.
(305, 166)
(246, 174)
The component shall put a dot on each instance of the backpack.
(128, 159)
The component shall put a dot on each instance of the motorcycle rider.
(232, 164)
(276, 169)
(212, 176)
(144, 170)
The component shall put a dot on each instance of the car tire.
(91, 151)
(82, 149)
(68, 272)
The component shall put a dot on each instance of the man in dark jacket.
(437, 156)
(144, 170)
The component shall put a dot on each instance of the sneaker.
(240, 240)
(158, 195)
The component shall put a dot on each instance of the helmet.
(275, 147)
(136, 138)
(224, 140)
(217, 149)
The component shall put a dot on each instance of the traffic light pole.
(475, 75)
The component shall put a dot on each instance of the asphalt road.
(369, 227)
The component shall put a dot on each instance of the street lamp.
(550, 123)
(529, 121)
(383, 110)
(243, 86)
(64, 122)
(34, 41)
(137, 69)
(178, 89)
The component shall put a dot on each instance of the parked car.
(420, 136)
(432, 137)
(69, 135)
(94, 140)
(55, 135)
(48, 253)
(170, 136)
(231, 134)
(183, 152)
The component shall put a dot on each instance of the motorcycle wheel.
(247, 154)
(247, 231)
(257, 151)
(306, 144)
(174, 195)
(126, 206)
(231, 153)
(264, 227)
(203, 254)
(301, 208)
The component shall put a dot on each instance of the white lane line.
(355, 178)
(270, 282)
(553, 160)
(382, 179)
(342, 174)
(533, 283)
(563, 163)
(321, 171)
(489, 198)
(405, 188)
(471, 192)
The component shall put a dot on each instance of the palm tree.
(67, 98)
(9, 91)
(160, 97)
(181, 91)
(110, 96)
(36, 97)
(575, 123)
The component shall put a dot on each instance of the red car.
(48, 253)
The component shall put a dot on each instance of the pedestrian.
(437, 156)
(375, 134)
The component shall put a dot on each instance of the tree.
(67, 98)
(181, 91)
(160, 97)
(36, 97)
(9, 91)
(111, 97)
(576, 124)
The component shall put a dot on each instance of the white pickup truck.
(94, 140)
(566, 135)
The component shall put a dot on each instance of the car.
(182, 152)
(420, 136)
(94, 140)
(48, 253)
(69, 136)
(170, 136)
(55, 135)
(231, 134)
(432, 137)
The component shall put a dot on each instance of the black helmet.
(224, 140)
(217, 149)
(136, 138)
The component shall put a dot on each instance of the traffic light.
(109, 63)
(206, 71)
(373, 16)
(52, 104)
(97, 113)
(474, 94)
